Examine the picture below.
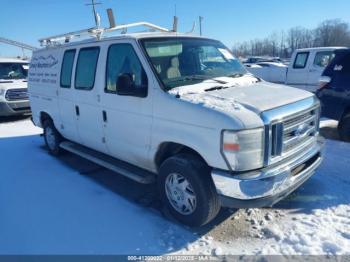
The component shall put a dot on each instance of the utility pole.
(200, 25)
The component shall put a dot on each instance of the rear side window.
(122, 59)
(86, 68)
(322, 59)
(301, 60)
(67, 67)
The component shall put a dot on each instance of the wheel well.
(43, 117)
(169, 149)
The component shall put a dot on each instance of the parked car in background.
(334, 92)
(304, 70)
(269, 71)
(259, 59)
(13, 87)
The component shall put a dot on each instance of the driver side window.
(122, 60)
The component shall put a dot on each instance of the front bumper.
(267, 186)
(11, 108)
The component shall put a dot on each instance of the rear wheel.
(344, 128)
(52, 138)
(187, 190)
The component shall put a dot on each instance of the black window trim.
(71, 73)
(307, 59)
(77, 63)
(106, 68)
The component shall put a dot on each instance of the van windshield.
(13, 71)
(188, 61)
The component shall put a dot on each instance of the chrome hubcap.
(50, 138)
(180, 194)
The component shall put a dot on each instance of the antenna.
(200, 25)
(96, 15)
(175, 23)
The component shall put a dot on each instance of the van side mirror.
(126, 86)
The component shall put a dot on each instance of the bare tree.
(328, 33)
(332, 33)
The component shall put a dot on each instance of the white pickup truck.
(303, 72)
(178, 110)
(13, 87)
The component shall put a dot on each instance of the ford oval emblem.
(301, 130)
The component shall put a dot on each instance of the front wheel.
(187, 190)
(52, 138)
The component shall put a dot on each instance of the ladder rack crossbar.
(16, 43)
(97, 32)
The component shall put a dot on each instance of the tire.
(192, 171)
(344, 128)
(52, 138)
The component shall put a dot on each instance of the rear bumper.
(14, 108)
(267, 186)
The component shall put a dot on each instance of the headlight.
(244, 150)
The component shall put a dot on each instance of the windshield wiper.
(215, 88)
(236, 75)
(199, 77)
(196, 77)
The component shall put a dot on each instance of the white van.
(13, 87)
(179, 110)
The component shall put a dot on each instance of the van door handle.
(104, 115)
(77, 111)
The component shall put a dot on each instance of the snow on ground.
(48, 206)
(18, 128)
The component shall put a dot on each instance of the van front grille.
(299, 130)
(293, 132)
(17, 94)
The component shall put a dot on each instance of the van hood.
(247, 91)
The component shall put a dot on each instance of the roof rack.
(97, 33)
(18, 44)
